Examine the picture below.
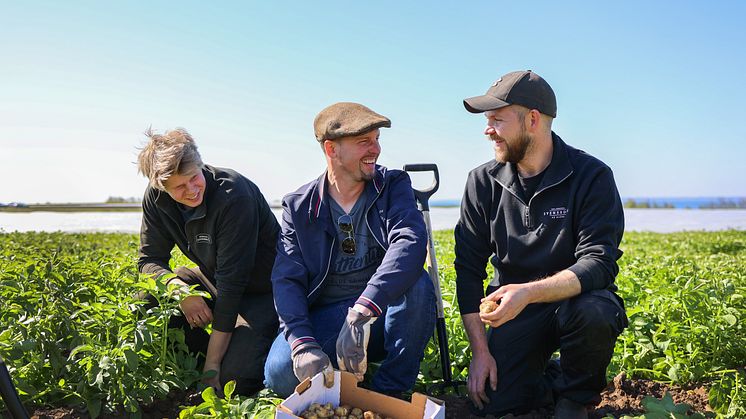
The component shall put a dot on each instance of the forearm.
(154, 267)
(560, 286)
(475, 333)
(216, 349)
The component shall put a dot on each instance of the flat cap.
(346, 119)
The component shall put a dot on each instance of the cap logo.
(497, 81)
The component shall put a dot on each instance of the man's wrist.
(181, 286)
(365, 311)
(211, 366)
(304, 344)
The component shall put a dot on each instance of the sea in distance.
(662, 215)
(642, 202)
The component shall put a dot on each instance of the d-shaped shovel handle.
(423, 195)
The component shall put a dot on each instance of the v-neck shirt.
(349, 273)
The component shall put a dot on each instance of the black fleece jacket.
(231, 237)
(574, 221)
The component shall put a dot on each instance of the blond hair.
(166, 154)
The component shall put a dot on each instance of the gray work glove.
(352, 343)
(309, 360)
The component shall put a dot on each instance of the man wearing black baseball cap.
(549, 219)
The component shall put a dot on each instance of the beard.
(367, 176)
(514, 150)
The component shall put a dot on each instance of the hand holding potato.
(510, 301)
(487, 306)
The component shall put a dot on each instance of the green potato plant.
(74, 332)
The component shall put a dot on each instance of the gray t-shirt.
(349, 274)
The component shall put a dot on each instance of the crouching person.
(220, 221)
(348, 279)
(549, 219)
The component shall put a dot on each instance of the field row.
(73, 331)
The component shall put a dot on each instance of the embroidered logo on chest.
(203, 238)
(556, 213)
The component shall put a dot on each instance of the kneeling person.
(220, 221)
(349, 280)
(549, 219)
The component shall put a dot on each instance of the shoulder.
(227, 185)
(483, 173)
(584, 162)
(151, 198)
(392, 175)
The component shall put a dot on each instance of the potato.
(488, 306)
(328, 411)
(323, 412)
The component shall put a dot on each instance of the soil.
(167, 408)
(623, 396)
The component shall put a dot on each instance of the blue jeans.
(397, 339)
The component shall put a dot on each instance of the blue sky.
(654, 89)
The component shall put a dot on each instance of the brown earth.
(167, 408)
(623, 396)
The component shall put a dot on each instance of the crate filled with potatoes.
(328, 410)
(343, 399)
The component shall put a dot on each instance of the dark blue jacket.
(308, 244)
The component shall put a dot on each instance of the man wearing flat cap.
(348, 279)
(549, 219)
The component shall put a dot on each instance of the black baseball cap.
(524, 88)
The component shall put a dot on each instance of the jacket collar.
(319, 202)
(558, 170)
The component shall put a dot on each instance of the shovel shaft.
(432, 266)
(423, 196)
(445, 358)
(9, 394)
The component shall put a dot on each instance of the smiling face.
(355, 157)
(506, 128)
(187, 188)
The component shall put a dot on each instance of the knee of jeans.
(422, 292)
(279, 376)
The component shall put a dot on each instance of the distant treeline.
(123, 200)
(719, 203)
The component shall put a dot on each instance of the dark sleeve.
(403, 261)
(599, 228)
(155, 242)
(290, 284)
(237, 232)
(473, 248)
